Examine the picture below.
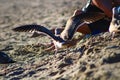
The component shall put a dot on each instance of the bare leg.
(116, 2)
(105, 5)
(84, 29)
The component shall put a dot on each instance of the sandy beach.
(94, 58)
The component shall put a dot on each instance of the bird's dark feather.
(39, 29)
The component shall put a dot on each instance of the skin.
(104, 5)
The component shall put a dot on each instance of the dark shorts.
(99, 26)
(91, 8)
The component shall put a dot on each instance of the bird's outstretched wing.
(34, 28)
(36, 34)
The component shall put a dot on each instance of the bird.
(72, 24)
(77, 19)
(38, 29)
(54, 34)
(115, 22)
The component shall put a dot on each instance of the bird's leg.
(56, 50)
(50, 48)
(56, 46)
(112, 35)
(67, 50)
(45, 44)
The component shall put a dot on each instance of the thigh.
(116, 3)
(104, 5)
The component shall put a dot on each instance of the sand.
(96, 58)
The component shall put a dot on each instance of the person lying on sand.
(102, 25)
